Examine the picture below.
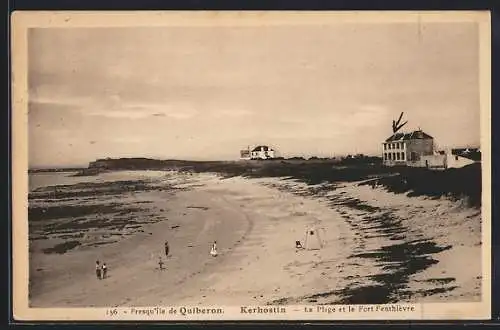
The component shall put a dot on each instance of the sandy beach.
(378, 247)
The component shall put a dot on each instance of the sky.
(205, 93)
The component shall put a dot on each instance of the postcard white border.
(22, 21)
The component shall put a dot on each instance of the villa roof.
(415, 135)
(262, 148)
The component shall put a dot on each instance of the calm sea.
(45, 179)
(37, 180)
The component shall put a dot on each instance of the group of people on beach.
(101, 271)
(213, 253)
(213, 250)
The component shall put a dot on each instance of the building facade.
(407, 148)
(262, 152)
(416, 149)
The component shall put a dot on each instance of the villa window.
(402, 156)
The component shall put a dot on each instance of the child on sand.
(98, 269)
(160, 263)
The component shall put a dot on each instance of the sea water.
(46, 179)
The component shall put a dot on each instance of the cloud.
(181, 115)
(113, 108)
(145, 110)
(232, 113)
(110, 103)
(60, 103)
(117, 114)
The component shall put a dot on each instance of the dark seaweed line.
(113, 216)
(401, 260)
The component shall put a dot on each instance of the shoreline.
(256, 223)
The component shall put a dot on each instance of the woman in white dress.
(213, 251)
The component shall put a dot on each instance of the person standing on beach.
(167, 249)
(98, 269)
(104, 270)
(213, 251)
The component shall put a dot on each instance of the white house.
(262, 152)
(417, 149)
(407, 148)
(462, 157)
(454, 158)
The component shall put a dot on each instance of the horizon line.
(41, 167)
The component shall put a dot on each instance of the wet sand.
(378, 246)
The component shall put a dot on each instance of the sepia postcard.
(188, 166)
